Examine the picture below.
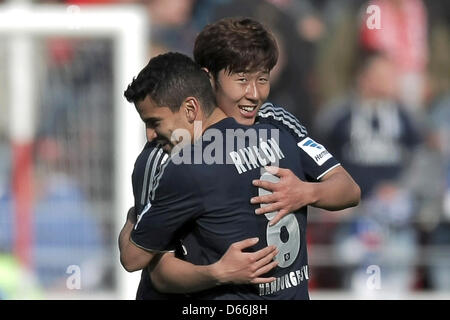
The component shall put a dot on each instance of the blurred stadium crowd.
(377, 98)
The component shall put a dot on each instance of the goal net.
(68, 142)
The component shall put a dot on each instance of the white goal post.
(128, 27)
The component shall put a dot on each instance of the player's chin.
(247, 121)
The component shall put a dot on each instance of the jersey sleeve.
(147, 166)
(174, 201)
(316, 160)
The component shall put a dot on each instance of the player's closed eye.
(241, 77)
(152, 124)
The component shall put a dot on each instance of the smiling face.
(171, 93)
(241, 94)
(161, 122)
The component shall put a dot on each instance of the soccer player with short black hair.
(235, 266)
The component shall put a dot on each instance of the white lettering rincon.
(261, 159)
(276, 148)
(237, 162)
(249, 158)
(253, 157)
(267, 151)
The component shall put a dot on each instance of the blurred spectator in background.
(65, 231)
(430, 182)
(324, 30)
(373, 137)
(75, 81)
(172, 26)
(337, 51)
(439, 45)
(402, 36)
(6, 218)
(440, 237)
(370, 132)
(307, 19)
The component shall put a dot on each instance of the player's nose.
(252, 93)
(151, 134)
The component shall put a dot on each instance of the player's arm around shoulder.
(148, 162)
(330, 188)
(336, 190)
(173, 202)
(132, 257)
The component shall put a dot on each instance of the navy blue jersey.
(377, 138)
(209, 185)
(147, 169)
(313, 155)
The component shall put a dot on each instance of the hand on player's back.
(240, 267)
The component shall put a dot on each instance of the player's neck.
(216, 116)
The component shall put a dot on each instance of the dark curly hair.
(236, 45)
(170, 78)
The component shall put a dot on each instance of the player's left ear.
(191, 108)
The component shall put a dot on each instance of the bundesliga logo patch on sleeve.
(315, 150)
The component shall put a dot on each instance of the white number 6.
(285, 235)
